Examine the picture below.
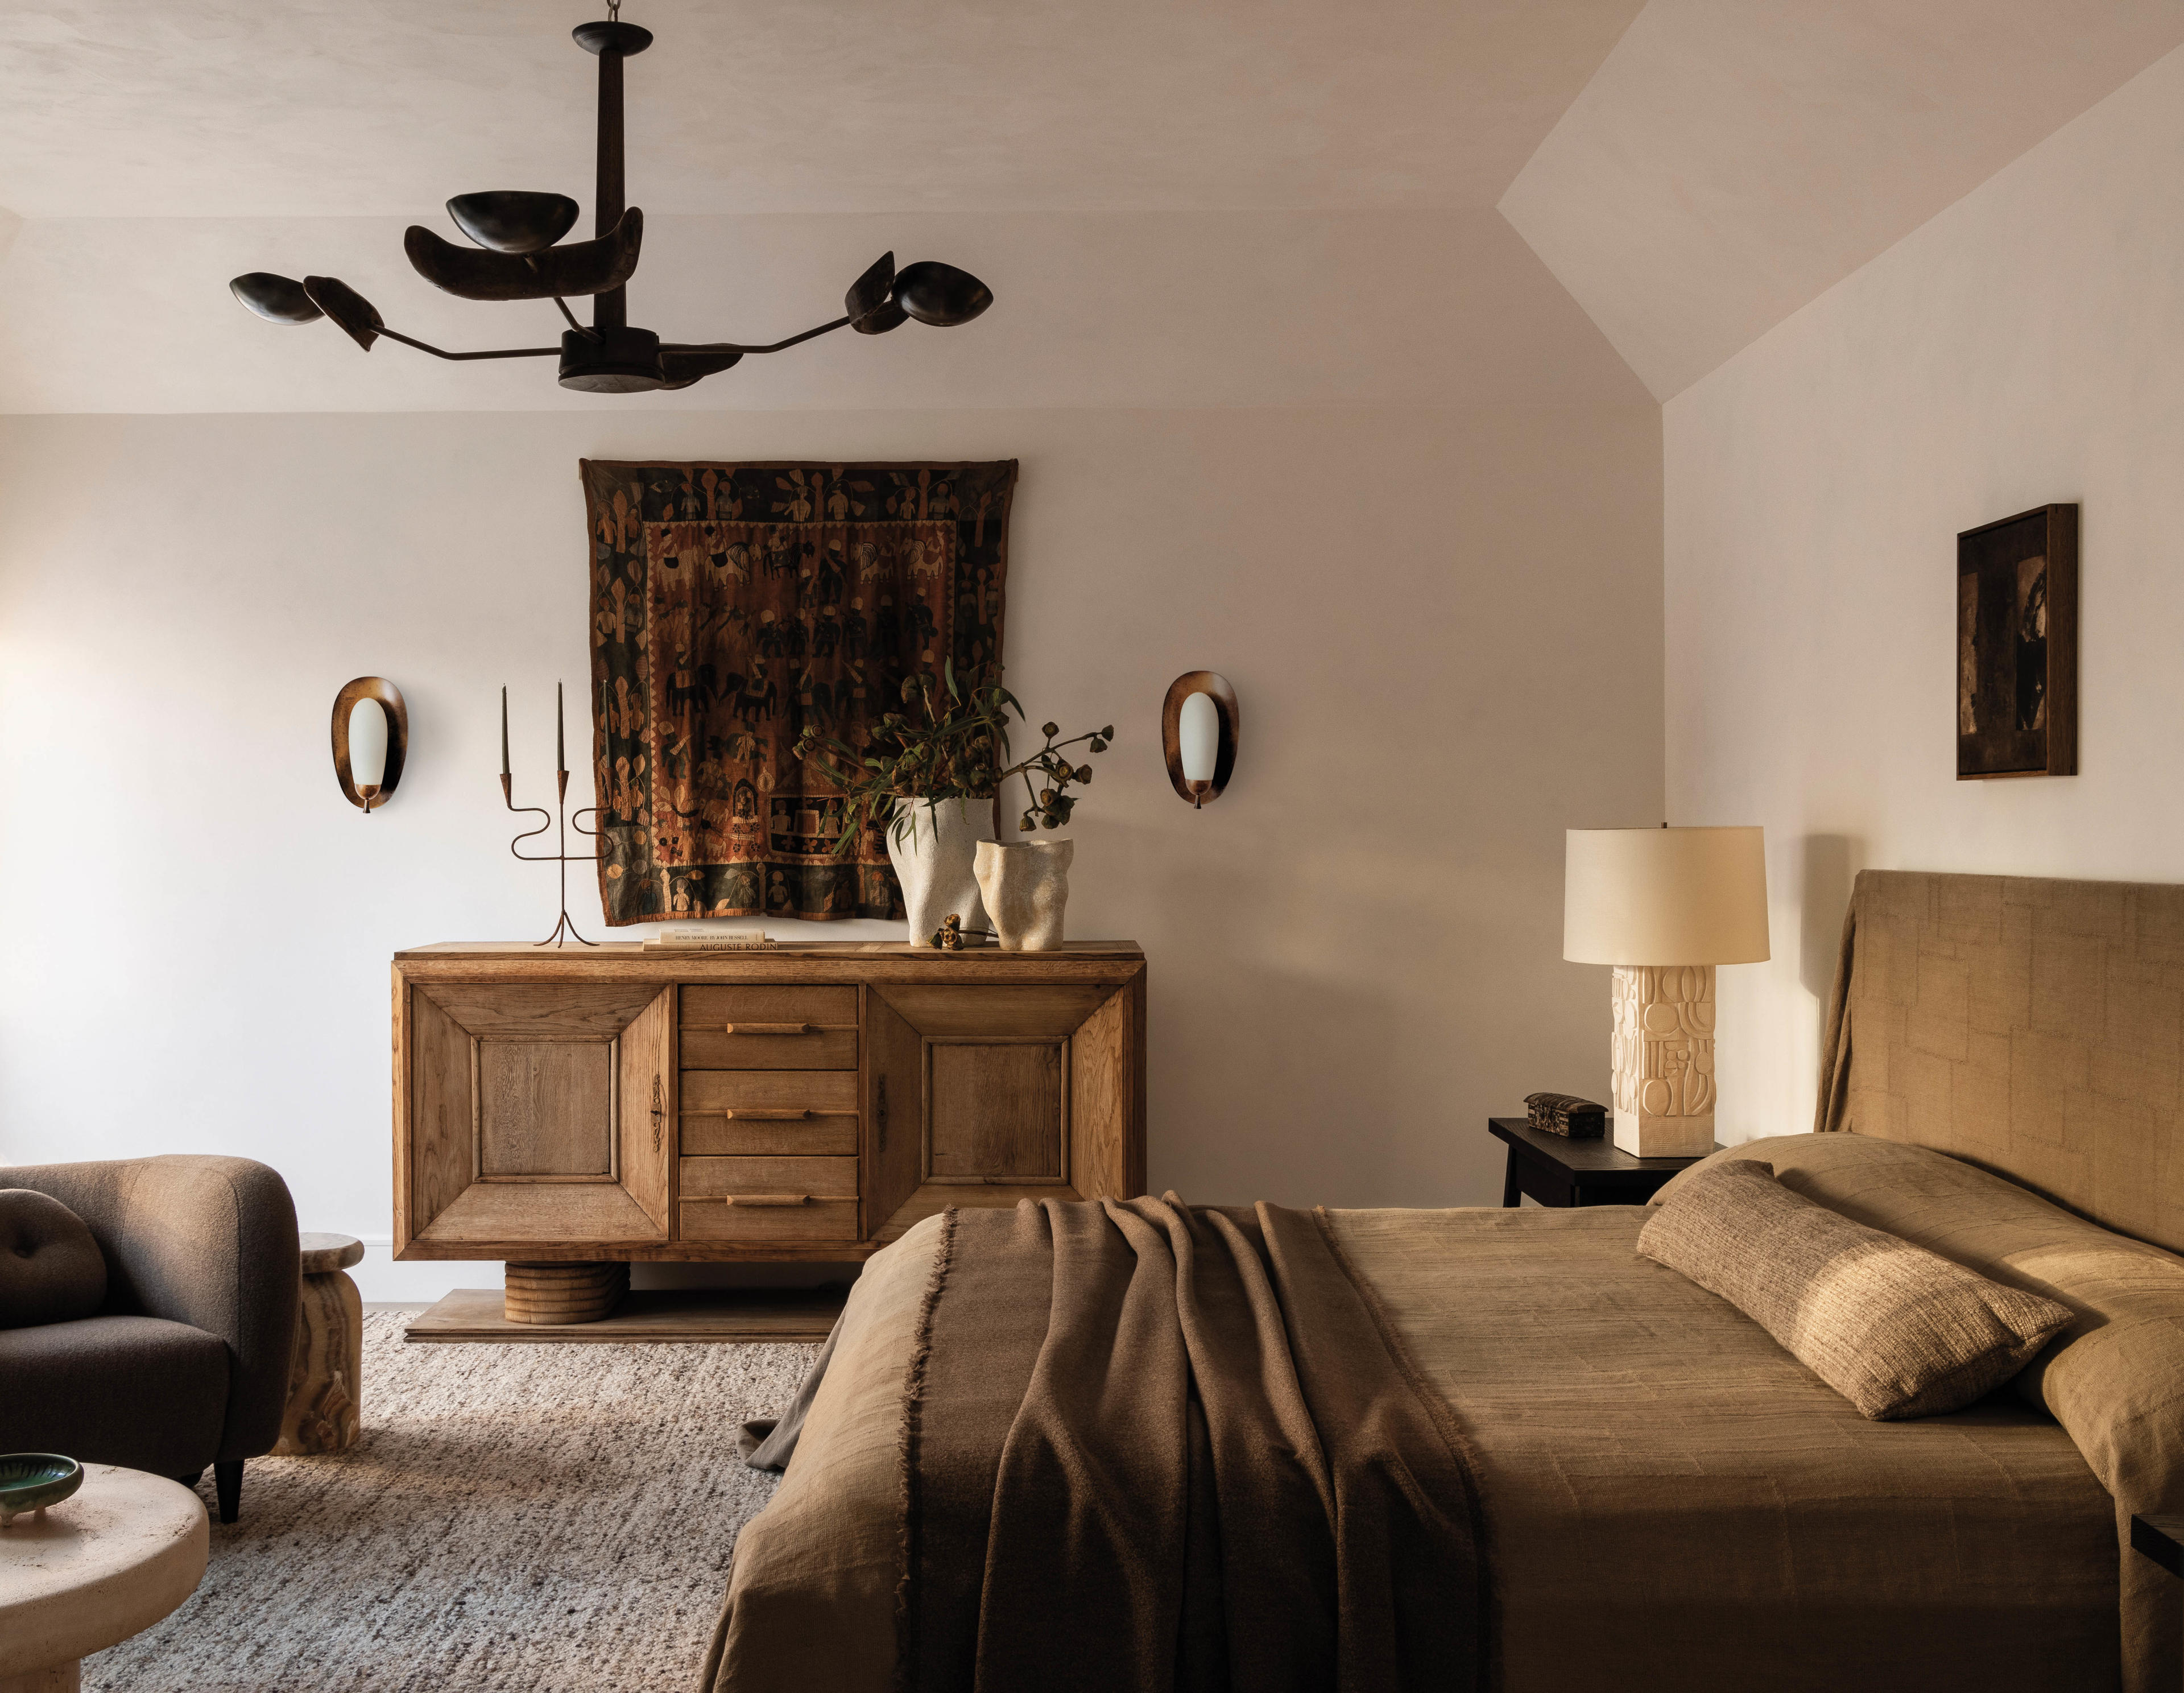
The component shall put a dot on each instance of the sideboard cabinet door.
(984, 1095)
(534, 1117)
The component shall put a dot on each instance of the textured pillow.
(1895, 1329)
(50, 1270)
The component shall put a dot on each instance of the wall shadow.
(1827, 865)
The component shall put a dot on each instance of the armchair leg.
(227, 1482)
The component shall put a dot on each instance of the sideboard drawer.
(715, 1006)
(825, 1220)
(816, 1178)
(813, 1137)
(773, 1093)
(786, 1045)
(769, 1199)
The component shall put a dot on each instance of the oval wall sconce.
(371, 734)
(1199, 725)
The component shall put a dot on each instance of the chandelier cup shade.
(277, 299)
(518, 254)
(514, 220)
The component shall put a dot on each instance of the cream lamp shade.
(1665, 897)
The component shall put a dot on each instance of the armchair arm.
(207, 1240)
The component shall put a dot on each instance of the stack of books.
(712, 941)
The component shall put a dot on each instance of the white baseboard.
(381, 1280)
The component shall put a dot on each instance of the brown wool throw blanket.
(1152, 1446)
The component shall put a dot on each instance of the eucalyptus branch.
(949, 742)
(1050, 807)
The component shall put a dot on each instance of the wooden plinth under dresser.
(560, 1107)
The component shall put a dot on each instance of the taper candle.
(504, 732)
(561, 744)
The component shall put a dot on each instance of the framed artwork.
(2017, 646)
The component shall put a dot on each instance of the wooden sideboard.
(572, 1106)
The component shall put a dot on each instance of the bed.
(1198, 1447)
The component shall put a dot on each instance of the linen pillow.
(1897, 1330)
(51, 1269)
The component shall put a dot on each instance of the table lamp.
(1665, 906)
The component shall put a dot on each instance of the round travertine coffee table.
(93, 1570)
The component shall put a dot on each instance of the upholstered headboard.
(2033, 1027)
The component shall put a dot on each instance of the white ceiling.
(1731, 161)
(385, 108)
(1119, 171)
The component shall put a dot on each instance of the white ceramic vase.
(935, 861)
(1027, 891)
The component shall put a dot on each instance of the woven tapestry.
(733, 605)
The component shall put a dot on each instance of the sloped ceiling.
(385, 108)
(1231, 202)
(1731, 161)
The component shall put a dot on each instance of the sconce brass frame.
(398, 738)
(1231, 727)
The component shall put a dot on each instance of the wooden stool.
(325, 1375)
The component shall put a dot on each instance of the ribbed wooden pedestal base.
(564, 1292)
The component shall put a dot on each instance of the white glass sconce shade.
(1199, 732)
(367, 745)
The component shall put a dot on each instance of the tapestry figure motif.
(731, 606)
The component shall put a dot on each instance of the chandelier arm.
(497, 353)
(738, 347)
(589, 334)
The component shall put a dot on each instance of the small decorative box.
(1565, 1114)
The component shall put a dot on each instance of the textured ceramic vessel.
(936, 863)
(1027, 891)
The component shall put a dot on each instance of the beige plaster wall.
(1443, 625)
(2026, 345)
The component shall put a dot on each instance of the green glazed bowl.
(30, 1481)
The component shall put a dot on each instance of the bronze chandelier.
(516, 258)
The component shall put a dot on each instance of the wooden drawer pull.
(769, 1029)
(767, 1199)
(765, 1114)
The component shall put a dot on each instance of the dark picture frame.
(2017, 646)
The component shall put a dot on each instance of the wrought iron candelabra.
(557, 820)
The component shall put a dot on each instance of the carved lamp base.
(1663, 1058)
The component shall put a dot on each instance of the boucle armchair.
(186, 1362)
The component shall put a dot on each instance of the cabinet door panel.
(545, 1108)
(1001, 1080)
(516, 1127)
(996, 1111)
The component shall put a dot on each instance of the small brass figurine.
(949, 936)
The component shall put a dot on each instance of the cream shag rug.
(527, 1518)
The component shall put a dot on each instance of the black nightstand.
(2161, 1539)
(1558, 1170)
